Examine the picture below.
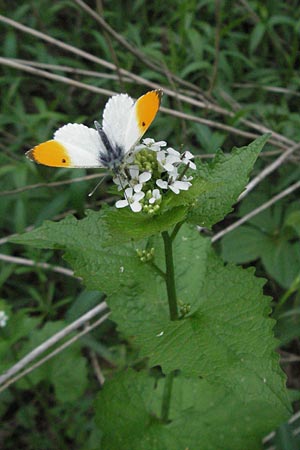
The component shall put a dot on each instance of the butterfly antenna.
(97, 185)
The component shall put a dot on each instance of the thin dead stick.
(215, 67)
(96, 366)
(218, 125)
(52, 184)
(42, 265)
(256, 211)
(109, 93)
(53, 340)
(267, 170)
(271, 435)
(53, 76)
(110, 45)
(201, 104)
(278, 90)
(55, 352)
(134, 50)
(75, 70)
(75, 50)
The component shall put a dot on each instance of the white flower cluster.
(3, 319)
(149, 171)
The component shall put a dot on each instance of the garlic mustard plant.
(150, 171)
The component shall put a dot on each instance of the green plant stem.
(170, 278)
(165, 407)
(176, 229)
(157, 270)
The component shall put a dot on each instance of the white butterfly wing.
(125, 121)
(115, 118)
(74, 145)
(141, 116)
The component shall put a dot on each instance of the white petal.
(121, 203)
(161, 156)
(192, 165)
(138, 187)
(145, 176)
(128, 192)
(136, 206)
(173, 174)
(182, 185)
(134, 172)
(173, 152)
(173, 159)
(148, 141)
(139, 147)
(169, 167)
(138, 196)
(161, 143)
(188, 155)
(162, 184)
(174, 189)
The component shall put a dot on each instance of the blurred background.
(230, 72)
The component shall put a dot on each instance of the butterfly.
(124, 123)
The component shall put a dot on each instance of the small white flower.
(137, 180)
(3, 319)
(186, 159)
(162, 184)
(168, 158)
(152, 145)
(177, 186)
(174, 184)
(155, 196)
(132, 199)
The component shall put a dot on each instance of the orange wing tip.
(50, 153)
(146, 109)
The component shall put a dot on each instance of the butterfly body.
(124, 123)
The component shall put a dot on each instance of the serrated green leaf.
(134, 427)
(245, 244)
(282, 261)
(202, 415)
(125, 225)
(293, 220)
(226, 338)
(145, 304)
(229, 175)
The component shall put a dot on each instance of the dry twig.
(53, 340)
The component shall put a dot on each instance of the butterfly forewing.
(74, 145)
(115, 118)
(141, 117)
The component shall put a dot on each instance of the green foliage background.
(244, 56)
